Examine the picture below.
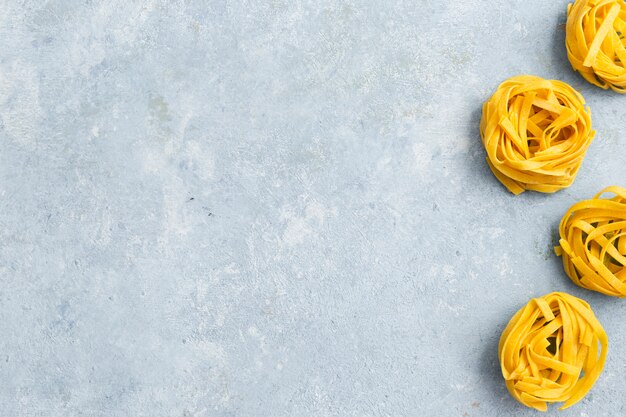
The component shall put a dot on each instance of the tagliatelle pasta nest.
(552, 350)
(596, 39)
(593, 243)
(536, 133)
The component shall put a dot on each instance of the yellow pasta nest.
(536, 133)
(552, 350)
(593, 243)
(595, 40)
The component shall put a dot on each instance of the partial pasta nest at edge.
(593, 242)
(596, 42)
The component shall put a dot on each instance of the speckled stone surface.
(275, 208)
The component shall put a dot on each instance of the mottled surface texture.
(275, 208)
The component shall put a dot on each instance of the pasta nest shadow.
(593, 242)
(596, 42)
(552, 350)
(536, 133)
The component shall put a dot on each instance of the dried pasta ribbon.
(536, 133)
(593, 242)
(596, 41)
(552, 350)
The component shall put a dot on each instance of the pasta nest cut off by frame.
(593, 242)
(536, 133)
(596, 41)
(552, 350)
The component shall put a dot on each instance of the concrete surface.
(275, 208)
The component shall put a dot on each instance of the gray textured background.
(275, 208)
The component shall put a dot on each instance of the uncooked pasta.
(596, 41)
(536, 133)
(552, 350)
(593, 242)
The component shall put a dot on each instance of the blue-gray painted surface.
(275, 208)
